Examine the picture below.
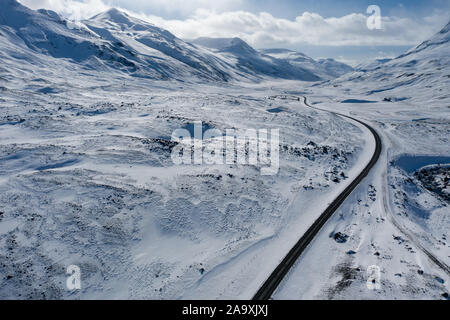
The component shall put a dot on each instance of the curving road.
(270, 285)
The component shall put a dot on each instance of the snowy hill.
(157, 48)
(110, 41)
(231, 45)
(252, 62)
(44, 33)
(420, 73)
(334, 68)
(324, 68)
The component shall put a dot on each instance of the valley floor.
(87, 179)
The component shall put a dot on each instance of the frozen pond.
(411, 163)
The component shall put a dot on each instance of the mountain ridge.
(118, 42)
(420, 71)
(250, 60)
(325, 68)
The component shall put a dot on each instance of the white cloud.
(263, 29)
(81, 9)
(70, 8)
(184, 7)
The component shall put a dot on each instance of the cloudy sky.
(320, 28)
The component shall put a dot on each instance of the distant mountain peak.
(324, 68)
(117, 19)
(115, 11)
(114, 15)
(239, 44)
(232, 45)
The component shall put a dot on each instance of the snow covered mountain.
(250, 61)
(26, 33)
(324, 68)
(157, 48)
(421, 72)
(114, 41)
(334, 68)
(109, 41)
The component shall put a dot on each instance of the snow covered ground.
(390, 219)
(395, 220)
(87, 179)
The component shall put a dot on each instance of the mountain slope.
(250, 61)
(324, 68)
(421, 72)
(334, 68)
(111, 41)
(45, 33)
(371, 65)
(157, 48)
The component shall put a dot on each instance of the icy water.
(275, 110)
(357, 101)
(411, 163)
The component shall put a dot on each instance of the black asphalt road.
(267, 289)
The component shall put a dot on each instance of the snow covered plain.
(87, 179)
